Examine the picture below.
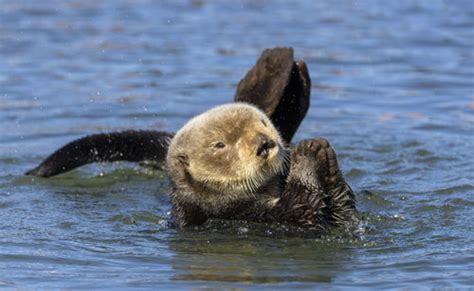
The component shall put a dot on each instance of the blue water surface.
(393, 90)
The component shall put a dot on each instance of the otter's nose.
(264, 145)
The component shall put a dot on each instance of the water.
(393, 90)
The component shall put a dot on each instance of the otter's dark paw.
(315, 161)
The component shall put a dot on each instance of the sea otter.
(231, 163)
(246, 176)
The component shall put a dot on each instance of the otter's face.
(231, 148)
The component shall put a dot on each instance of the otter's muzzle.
(265, 144)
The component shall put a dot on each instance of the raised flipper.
(280, 87)
(132, 145)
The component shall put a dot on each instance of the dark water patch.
(141, 217)
(456, 189)
(40, 260)
(459, 202)
(8, 204)
(353, 173)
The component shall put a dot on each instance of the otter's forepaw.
(306, 163)
(315, 161)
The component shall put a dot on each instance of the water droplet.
(242, 230)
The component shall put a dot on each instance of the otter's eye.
(219, 145)
(264, 123)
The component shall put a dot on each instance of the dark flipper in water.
(280, 87)
(132, 145)
(276, 84)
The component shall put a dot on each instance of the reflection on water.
(255, 260)
(393, 92)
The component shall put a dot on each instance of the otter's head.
(230, 150)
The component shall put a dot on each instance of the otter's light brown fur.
(220, 152)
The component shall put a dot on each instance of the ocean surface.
(393, 91)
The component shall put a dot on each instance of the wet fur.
(310, 191)
(213, 178)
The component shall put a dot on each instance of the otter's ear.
(183, 159)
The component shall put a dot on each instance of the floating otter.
(230, 163)
(277, 84)
(250, 180)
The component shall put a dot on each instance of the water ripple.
(392, 91)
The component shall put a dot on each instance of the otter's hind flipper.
(280, 87)
(132, 145)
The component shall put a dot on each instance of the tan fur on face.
(234, 170)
